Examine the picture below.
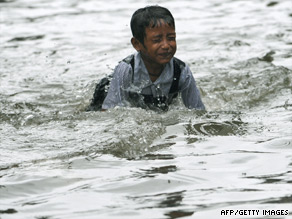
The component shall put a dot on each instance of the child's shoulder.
(127, 62)
(129, 59)
(179, 63)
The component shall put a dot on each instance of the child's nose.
(165, 44)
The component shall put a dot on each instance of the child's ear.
(136, 44)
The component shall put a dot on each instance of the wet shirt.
(124, 82)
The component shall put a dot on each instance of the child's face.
(159, 44)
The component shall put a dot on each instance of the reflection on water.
(178, 214)
(215, 128)
(276, 178)
(59, 161)
(159, 157)
(158, 170)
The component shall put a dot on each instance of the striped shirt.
(124, 82)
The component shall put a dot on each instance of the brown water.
(58, 161)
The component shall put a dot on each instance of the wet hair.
(150, 15)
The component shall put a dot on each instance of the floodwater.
(59, 161)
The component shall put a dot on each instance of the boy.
(152, 77)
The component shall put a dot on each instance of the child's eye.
(171, 38)
(156, 40)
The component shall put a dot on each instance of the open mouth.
(165, 55)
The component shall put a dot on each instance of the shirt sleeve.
(189, 91)
(116, 94)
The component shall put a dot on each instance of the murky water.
(58, 161)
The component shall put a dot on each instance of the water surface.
(59, 161)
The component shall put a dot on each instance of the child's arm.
(116, 94)
(189, 91)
